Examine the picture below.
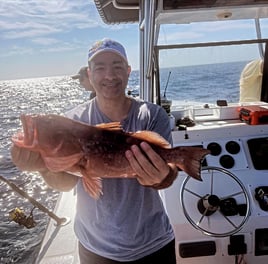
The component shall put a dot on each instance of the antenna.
(167, 84)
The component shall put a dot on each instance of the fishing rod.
(18, 213)
(167, 84)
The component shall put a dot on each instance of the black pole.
(167, 84)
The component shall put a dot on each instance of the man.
(251, 82)
(128, 223)
(82, 76)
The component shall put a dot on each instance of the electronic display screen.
(258, 148)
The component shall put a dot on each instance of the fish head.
(46, 132)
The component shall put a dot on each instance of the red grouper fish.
(96, 152)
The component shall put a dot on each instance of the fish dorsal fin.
(110, 126)
(151, 137)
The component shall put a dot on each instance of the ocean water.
(206, 83)
(203, 83)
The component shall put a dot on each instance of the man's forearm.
(61, 181)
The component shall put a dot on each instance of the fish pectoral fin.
(151, 137)
(93, 186)
(110, 126)
(57, 164)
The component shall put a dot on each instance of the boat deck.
(60, 243)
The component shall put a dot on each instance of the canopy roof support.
(147, 30)
(264, 89)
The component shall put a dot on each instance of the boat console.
(225, 214)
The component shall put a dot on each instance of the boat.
(224, 218)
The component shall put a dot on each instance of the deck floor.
(60, 244)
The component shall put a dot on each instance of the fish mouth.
(25, 138)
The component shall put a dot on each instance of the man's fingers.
(159, 164)
(147, 164)
(27, 160)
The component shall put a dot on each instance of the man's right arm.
(27, 160)
(61, 181)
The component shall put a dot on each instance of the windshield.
(198, 72)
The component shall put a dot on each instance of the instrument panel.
(228, 154)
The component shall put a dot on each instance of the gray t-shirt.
(128, 221)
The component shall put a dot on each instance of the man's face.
(108, 73)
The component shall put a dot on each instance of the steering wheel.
(218, 206)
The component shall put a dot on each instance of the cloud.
(209, 31)
(45, 41)
(225, 25)
(30, 30)
(175, 36)
(34, 24)
(22, 18)
(16, 50)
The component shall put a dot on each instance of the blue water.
(203, 83)
(206, 83)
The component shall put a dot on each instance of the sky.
(41, 38)
(52, 37)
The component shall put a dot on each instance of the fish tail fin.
(191, 159)
(93, 186)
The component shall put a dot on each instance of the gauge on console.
(232, 147)
(214, 148)
(227, 161)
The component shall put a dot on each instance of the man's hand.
(150, 168)
(27, 160)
